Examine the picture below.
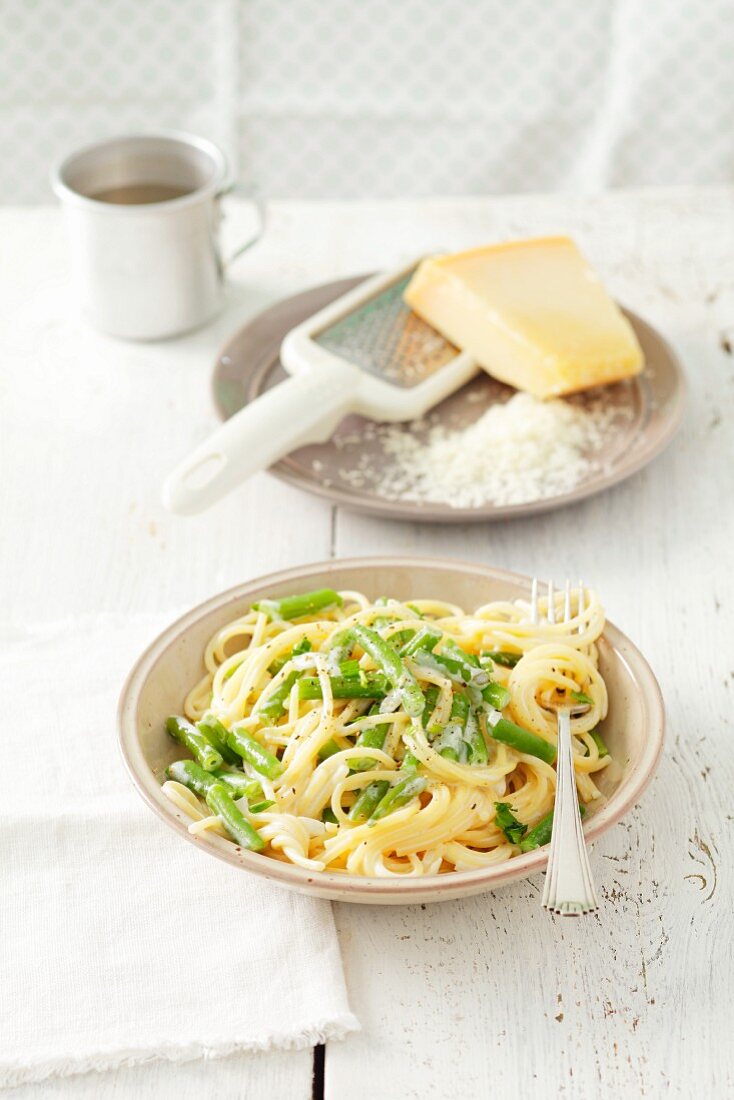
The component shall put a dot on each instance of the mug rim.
(214, 187)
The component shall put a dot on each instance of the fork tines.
(569, 886)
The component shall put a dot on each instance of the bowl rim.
(363, 888)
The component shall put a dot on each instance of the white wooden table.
(487, 996)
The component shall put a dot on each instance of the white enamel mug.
(143, 215)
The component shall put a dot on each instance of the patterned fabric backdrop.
(330, 98)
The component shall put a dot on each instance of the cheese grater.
(365, 353)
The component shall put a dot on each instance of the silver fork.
(569, 888)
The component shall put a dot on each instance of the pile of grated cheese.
(522, 450)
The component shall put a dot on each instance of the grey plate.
(649, 410)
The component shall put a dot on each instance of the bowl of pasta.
(383, 730)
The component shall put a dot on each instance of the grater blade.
(385, 338)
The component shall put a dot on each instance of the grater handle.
(306, 408)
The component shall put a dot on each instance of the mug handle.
(250, 193)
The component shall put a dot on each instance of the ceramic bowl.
(157, 685)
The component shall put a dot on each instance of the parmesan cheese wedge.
(532, 313)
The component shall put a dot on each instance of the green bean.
(399, 795)
(451, 744)
(470, 661)
(216, 733)
(504, 658)
(523, 740)
(368, 685)
(540, 834)
(240, 785)
(582, 697)
(275, 703)
(195, 741)
(454, 648)
(327, 814)
(295, 607)
(459, 671)
(391, 664)
(261, 807)
(425, 638)
(368, 799)
(497, 696)
(330, 748)
(431, 697)
(599, 742)
(399, 640)
(304, 646)
(409, 762)
(513, 829)
(475, 739)
(349, 668)
(371, 738)
(191, 775)
(254, 754)
(220, 802)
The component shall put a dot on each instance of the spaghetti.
(387, 738)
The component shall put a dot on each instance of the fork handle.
(569, 887)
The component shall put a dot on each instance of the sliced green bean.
(371, 738)
(261, 807)
(540, 834)
(275, 703)
(496, 695)
(401, 639)
(327, 814)
(195, 741)
(330, 748)
(582, 697)
(399, 795)
(599, 742)
(425, 638)
(472, 669)
(475, 739)
(503, 657)
(191, 775)
(369, 685)
(216, 733)
(431, 697)
(522, 740)
(458, 670)
(304, 646)
(240, 785)
(451, 744)
(368, 799)
(254, 753)
(391, 664)
(296, 607)
(220, 802)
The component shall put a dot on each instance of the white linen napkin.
(120, 943)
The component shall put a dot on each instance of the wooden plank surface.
(487, 994)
